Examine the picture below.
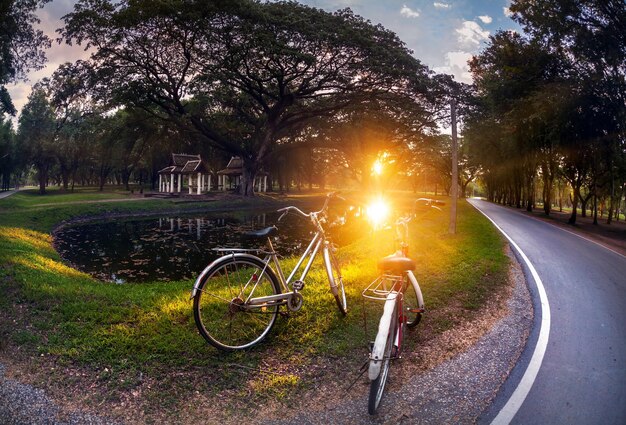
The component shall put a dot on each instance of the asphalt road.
(581, 378)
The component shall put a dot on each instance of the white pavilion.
(172, 178)
(230, 177)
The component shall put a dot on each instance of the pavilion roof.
(180, 159)
(185, 164)
(235, 168)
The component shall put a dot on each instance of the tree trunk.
(246, 187)
(42, 172)
(454, 183)
(126, 180)
(572, 218)
(583, 204)
(547, 194)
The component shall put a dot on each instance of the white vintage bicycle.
(237, 298)
(400, 292)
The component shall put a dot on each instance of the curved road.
(581, 377)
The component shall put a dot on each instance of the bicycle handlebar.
(297, 210)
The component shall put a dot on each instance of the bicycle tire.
(377, 386)
(222, 315)
(336, 280)
(411, 303)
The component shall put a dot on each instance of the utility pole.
(454, 188)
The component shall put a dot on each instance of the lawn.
(137, 343)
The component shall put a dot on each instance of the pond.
(170, 247)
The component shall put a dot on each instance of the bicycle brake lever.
(283, 215)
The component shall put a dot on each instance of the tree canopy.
(244, 76)
(21, 46)
(551, 105)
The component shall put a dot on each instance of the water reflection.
(168, 247)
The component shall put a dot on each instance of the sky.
(443, 34)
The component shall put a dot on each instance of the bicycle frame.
(319, 239)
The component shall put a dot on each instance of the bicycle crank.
(295, 302)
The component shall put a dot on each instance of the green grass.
(122, 332)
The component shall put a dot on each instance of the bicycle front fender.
(378, 351)
(217, 263)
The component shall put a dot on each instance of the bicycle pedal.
(284, 314)
(298, 285)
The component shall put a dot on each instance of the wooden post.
(454, 188)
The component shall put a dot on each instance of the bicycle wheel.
(336, 281)
(377, 386)
(221, 306)
(412, 302)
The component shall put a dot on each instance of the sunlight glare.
(377, 212)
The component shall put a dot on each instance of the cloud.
(507, 12)
(456, 65)
(486, 19)
(470, 34)
(442, 5)
(408, 12)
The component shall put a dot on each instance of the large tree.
(36, 134)
(21, 46)
(242, 75)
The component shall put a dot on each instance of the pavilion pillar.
(224, 177)
(180, 182)
(209, 185)
(199, 175)
(171, 183)
(160, 182)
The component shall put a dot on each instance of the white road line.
(506, 414)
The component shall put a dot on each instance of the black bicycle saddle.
(263, 233)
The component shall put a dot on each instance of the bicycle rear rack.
(244, 250)
(381, 287)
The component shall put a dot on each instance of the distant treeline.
(549, 113)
